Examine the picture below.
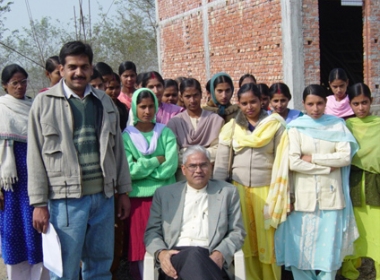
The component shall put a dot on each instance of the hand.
(306, 158)
(41, 218)
(161, 159)
(333, 169)
(166, 265)
(123, 207)
(217, 257)
(2, 202)
(291, 209)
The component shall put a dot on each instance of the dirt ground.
(367, 271)
(3, 271)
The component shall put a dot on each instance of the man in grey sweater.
(76, 160)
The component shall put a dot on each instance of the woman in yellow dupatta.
(364, 181)
(254, 137)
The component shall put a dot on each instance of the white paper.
(51, 247)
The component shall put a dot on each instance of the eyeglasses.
(16, 83)
(193, 167)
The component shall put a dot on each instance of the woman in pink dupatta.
(195, 126)
(338, 104)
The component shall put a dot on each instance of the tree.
(31, 51)
(130, 35)
(4, 7)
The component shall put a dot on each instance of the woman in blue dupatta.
(321, 230)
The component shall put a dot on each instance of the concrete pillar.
(292, 50)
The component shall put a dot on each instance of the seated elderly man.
(195, 227)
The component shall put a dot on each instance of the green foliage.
(4, 8)
(130, 35)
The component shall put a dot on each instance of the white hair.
(193, 150)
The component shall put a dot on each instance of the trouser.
(299, 274)
(195, 263)
(256, 270)
(85, 227)
(26, 271)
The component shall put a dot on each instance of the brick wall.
(201, 37)
(243, 37)
(371, 38)
(310, 22)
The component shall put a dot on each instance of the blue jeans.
(85, 227)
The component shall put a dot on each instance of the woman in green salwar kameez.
(364, 181)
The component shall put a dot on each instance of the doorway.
(341, 40)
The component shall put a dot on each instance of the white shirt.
(194, 228)
(68, 92)
(195, 121)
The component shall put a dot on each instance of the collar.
(68, 92)
(243, 122)
(190, 189)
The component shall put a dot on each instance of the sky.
(63, 10)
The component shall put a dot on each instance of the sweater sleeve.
(222, 156)
(295, 161)
(213, 148)
(37, 176)
(169, 167)
(141, 167)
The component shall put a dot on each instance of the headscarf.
(13, 127)
(136, 136)
(212, 91)
(134, 104)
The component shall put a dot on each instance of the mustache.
(79, 78)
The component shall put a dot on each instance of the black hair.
(127, 65)
(338, 74)
(103, 68)
(357, 90)
(139, 78)
(263, 88)
(224, 79)
(116, 77)
(95, 75)
(317, 90)
(151, 75)
(279, 88)
(249, 88)
(190, 82)
(170, 83)
(9, 71)
(179, 80)
(144, 94)
(247, 76)
(52, 63)
(208, 86)
(75, 48)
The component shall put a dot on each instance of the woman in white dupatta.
(21, 243)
